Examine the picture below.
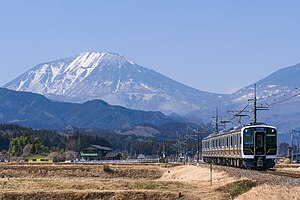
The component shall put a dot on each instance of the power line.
(255, 109)
(284, 100)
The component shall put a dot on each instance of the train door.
(260, 143)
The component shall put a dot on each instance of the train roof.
(236, 129)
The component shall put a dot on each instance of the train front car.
(259, 146)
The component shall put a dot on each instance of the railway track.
(281, 173)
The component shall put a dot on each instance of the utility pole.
(292, 146)
(198, 146)
(217, 121)
(177, 148)
(186, 148)
(9, 152)
(164, 152)
(210, 169)
(295, 145)
(255, 108)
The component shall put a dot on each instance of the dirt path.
(196, 174)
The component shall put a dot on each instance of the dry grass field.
(130, 181)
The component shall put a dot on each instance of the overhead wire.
(284, 100)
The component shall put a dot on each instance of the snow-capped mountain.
(120, 81)
(116, 80)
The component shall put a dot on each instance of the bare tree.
(56, 156)
(70, 155)
(27, 150)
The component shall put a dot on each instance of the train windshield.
(270, 135)
(249, 136)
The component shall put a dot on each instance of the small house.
(113, 156)
(94, 152)
(38, 158)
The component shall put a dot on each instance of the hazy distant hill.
(39, 112)
(280, 91)
(274, 87)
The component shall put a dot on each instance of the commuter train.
(250, 146)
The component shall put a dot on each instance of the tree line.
(22, 141)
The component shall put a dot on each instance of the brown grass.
(123, 181)
(274, 192)
(237, 188)
(79, 195)
(78, 170)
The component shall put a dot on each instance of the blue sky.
(215, 46)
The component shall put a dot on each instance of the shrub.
(107, 169)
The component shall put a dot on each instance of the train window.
(259, 140)
(231, 140)
(249, 136)
(271, 137)
(222, 142)
(240, 139)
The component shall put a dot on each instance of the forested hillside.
(22, 141)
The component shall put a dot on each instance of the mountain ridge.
(37, 111)
(114, 79)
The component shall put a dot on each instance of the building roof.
(101, 147)
(112, 155)
(36, 156)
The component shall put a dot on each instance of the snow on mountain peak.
(58, 76)
(112, 78)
